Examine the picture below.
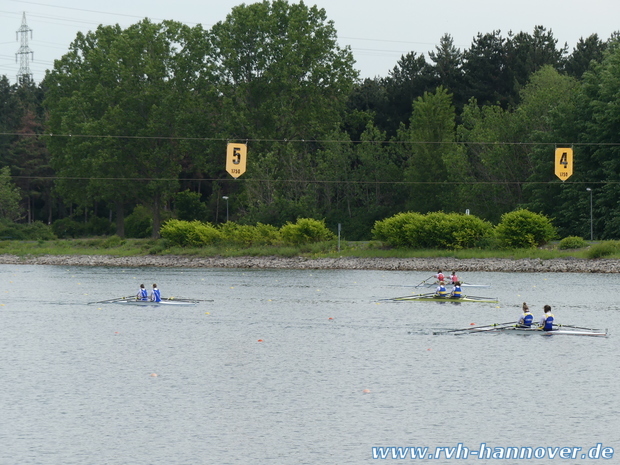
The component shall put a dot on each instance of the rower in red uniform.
(440, 276)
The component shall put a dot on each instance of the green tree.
(114, 101)
(527, 53)
(10, 197)
(487, 75)
(585, 52)
(548, 115)
(448, 71)
(426, 144)
(599, 130)
(283, 77)
(408, 80)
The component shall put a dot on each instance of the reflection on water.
(293, 367)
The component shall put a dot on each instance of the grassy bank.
(137, 247)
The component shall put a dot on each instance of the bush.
(26, 232)
(68, 227)
(306, 230)
(572, 242)
(398, 230)
(524, 229)
(97, 226)
(190, 233)
(112, 242)
(247, 235)
(603, 249)
(139, 224)
(432, 231)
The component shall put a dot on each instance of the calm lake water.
(296, 367)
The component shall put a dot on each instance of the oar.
(110, 300)
(578, 327)
(477, 327)
(185, 299)
(480, 297)
(410, 295)
(418, 285)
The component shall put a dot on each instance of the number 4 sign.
(564, 163)
(236, 155)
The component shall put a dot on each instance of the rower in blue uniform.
(155, 294)
(142, 293)
(441, 290)
(546, 321)
(526, 319)
(456, 290)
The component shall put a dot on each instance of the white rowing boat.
(555, 332)
(164, 301)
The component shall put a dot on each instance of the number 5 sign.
(564, 163)
(236, 155)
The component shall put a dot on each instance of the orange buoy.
(154, 375)
(260, 340)
(472, 324)
(366, 391)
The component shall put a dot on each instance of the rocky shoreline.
(563, 265)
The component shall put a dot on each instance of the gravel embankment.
(565, 265)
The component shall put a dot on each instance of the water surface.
(294, 367)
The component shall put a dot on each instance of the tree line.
(131, 125)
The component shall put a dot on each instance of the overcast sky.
(379, 32)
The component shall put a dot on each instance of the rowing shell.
(555, 332)
(437, 298)
(150, 303)
(450, 284)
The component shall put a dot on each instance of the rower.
(441, 290)
(454, 278)
(155, 294)
(526, 319)
(546, 321)
(457, 293)
(439, 276)
(142, 293)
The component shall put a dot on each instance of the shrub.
(603, 249)
(400, 230)
(26, 232)
(247, 235)
(190, 233)
(139, 224)
(112, 242)
(433, 231)
(97, 226)
(306, 230)
(68, 227)
(524, 229)
(572, 242)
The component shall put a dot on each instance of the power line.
(314, 141)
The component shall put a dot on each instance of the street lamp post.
(591, 221)
(226, 198)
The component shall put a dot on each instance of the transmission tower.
(24, 76)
